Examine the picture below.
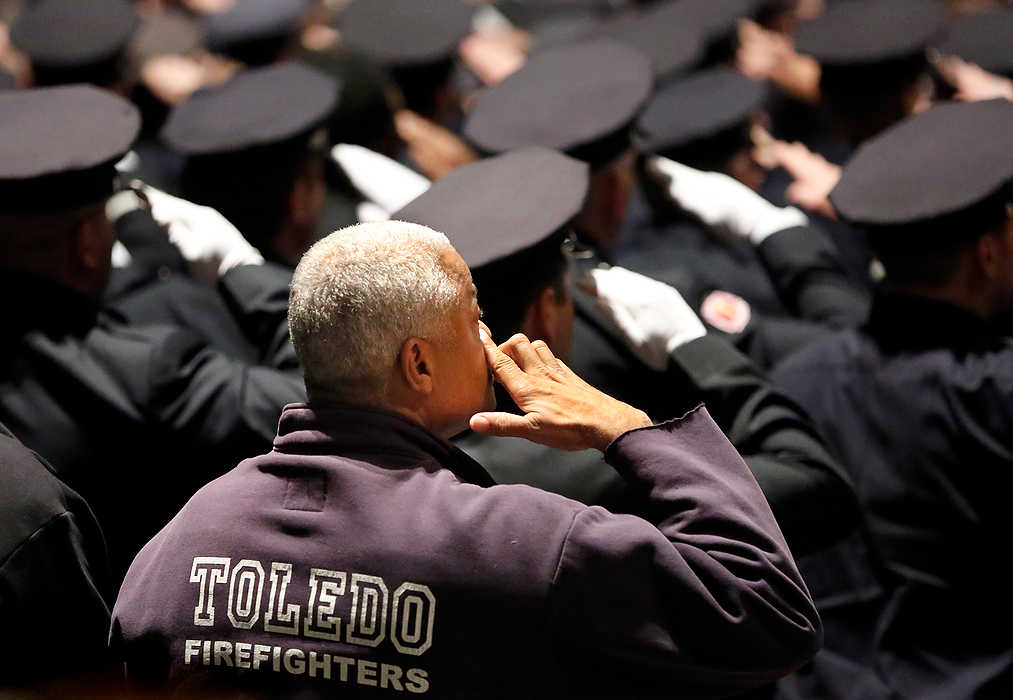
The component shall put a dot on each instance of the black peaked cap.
(569, 97)
(698, 107)
(405, 32)
(257, 107)
(856, 32)
(939, 162)
(70, 33)
(498, 207)
(985, 38)
(671, 43)
(250, 20)
(58, 146)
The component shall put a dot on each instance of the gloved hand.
(651, 317)
(384, 182)
(720, 201)
(210, 244)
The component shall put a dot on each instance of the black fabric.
(405, 32)
(257, 107)
(67, 33)
(484, 223)
(121, 410)
(699, 107)
(870, 31)
(579, 98)
(53, 572)
(58, 146)
(984, 37)
(937, 163)
(917, 406)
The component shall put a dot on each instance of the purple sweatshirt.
(365, 555)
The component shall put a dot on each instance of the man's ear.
(300, 200)
(414, 362)
(545, 313)
(991, 255)
(89, 247)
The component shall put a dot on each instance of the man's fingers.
(519, 348)
(544, 353)
(500, 424)
(503, 367)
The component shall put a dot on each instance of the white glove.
(382, 181)
(720, 201)
(210, 244)
(367, 212)
(651, 317)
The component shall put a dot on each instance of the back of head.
(357, 295)
(928, 188)
(872, 59)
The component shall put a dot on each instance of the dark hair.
(508, 287)
(866, 98)
(928, 252)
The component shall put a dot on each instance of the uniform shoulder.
(30, 495)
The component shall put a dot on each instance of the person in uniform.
(54, 573)
(367, 555)
(254, 151)
(916, 402)
(75, 42)
(119, 410)
(255, 32)
(515, 255)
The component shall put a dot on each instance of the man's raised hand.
(560, 409)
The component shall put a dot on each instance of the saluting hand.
(560, 409)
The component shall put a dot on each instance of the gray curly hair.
(357, 295)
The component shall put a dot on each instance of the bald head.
(358, 295)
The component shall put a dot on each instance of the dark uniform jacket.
(136, 418)
(365, 555)
(54, 578)
(919, 406)
(807, 490)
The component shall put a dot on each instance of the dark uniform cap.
(70, 33)
(252, 20)
(940, 162)
(405, 32)
(58, 146)
(698, 107)
(856, 32)
(714, 18)
(985, 38)
(500, 206)
(672, 44)
(257, 107)
(580, 98)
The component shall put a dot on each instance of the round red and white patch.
(725, 311)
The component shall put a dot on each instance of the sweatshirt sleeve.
(701, 599)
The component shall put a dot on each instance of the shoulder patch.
(725, 311)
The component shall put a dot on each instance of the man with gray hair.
(365, 554)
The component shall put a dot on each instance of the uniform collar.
(36, 303)
(384, 438)
(916, 322)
